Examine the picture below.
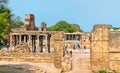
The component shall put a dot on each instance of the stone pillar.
(58, 44)
(11, 41)
(37, 44)
(19, 38)
(13, 38)
(30, 42)
(46, 46)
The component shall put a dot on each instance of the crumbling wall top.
(102, 26)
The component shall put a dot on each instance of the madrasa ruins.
(66, 51)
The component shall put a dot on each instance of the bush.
(103, 71)
(62, 71)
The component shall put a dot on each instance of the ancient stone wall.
(114, 50)
(58, 46)
(99, 47)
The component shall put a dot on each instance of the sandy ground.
(27, 67)
(80, 60)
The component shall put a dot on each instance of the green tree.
(64, 26)
(5, 16)
(75, 27)
(116, 28)
(16, 22)
(3, 3)
(6, 21)
(103, 71)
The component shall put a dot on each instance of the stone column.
(19, 38)
(13, 38)
(46, 44)
(58, 44)
(11, 41)
(30, 43)
(37, 44)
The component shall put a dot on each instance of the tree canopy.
(16, 22)
(6, 21)
(116, 28)
(64, 26)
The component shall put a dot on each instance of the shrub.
(103, 71)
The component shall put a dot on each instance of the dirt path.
(27, 67)
(81, 62)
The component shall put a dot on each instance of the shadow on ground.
(19, 68)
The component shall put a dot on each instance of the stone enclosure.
(33, 44)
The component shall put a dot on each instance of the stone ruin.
(105, 49)
(33, 44)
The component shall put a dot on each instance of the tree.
(116, 28)
(5, 16)
(6, 21)
(3, 3)
(64, 26)
(16, 22)
(76, 27)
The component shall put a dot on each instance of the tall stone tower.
(99, 47)
(29, 21)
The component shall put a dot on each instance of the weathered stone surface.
(100, 65)
(99, 47)
(58, 41)
(114, 56)
(114, 65)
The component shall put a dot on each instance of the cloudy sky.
(86, 13)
